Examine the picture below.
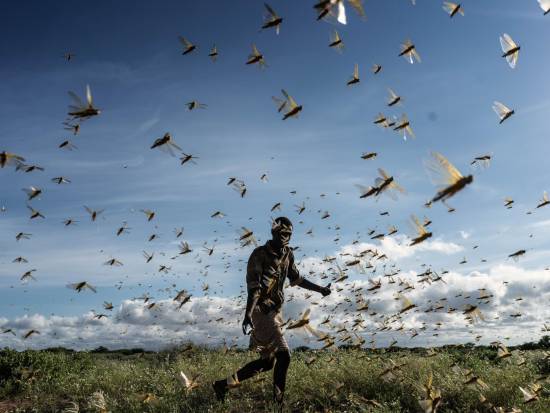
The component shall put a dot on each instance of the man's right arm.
(253, 276)
(251, 302)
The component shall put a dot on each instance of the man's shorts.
(267, 336)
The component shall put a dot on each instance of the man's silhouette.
(268, 266)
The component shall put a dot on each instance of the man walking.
(268, 266)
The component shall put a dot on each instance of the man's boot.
(220, 387)
(278, 398)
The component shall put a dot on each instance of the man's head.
(281, 231)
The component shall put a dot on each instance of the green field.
(318, 381)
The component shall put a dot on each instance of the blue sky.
(130, 56)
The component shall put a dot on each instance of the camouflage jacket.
(266, 273)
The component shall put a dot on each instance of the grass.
(337, 381)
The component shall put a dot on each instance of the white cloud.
(133, 325)
(397, 247)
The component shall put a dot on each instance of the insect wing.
(363, 189)
(500, 109)
(405, 302)
(415, 54)
(174, 145)
(513, 59)
(418, 227)
(393, 96)
(271, 12)
(279, 102)
(89, 95)
(378, 182)
(184, 41)
(73, 286)
(167, 148)
(341, 14)
(544, 5)
(506, 43)
(183, 378)
(441, 171)
(407, 131)
(383, 174)
(289, 99)
(449, 7)
(358, 6)
(76, 99)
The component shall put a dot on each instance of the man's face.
(282, 235)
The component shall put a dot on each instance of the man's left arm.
(297, 280)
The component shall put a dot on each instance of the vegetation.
(340, 380)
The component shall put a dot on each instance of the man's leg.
(282, 362)
(245, 372)
(254, 367)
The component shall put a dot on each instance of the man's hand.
(308, 285)
(247, 322)
(325, 290)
